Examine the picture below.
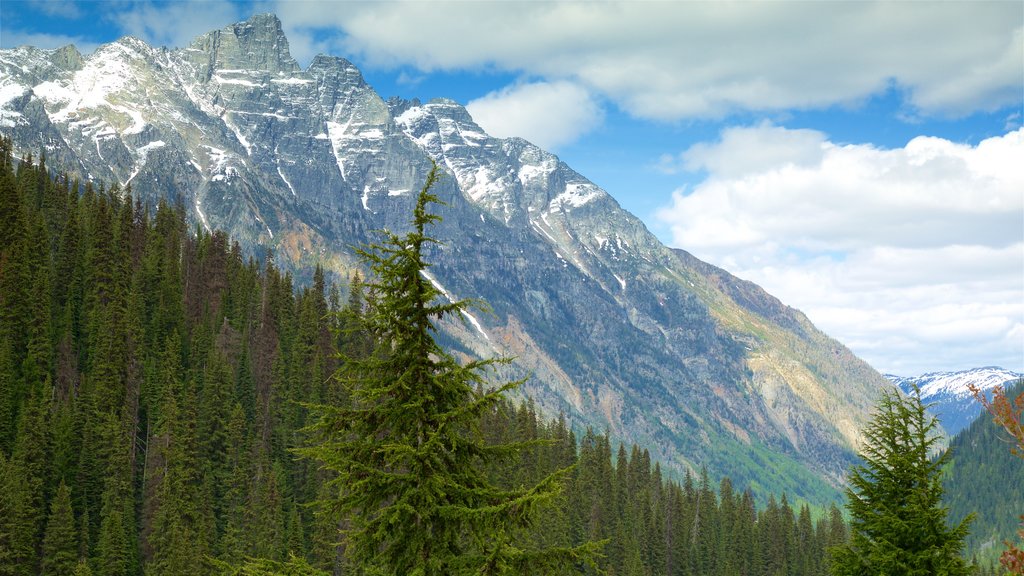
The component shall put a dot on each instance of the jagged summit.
(615, 329)
(67, 57)
(258, 43)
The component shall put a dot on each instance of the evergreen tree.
(60, 544)
(17, 520)
(180, 525)
(31, 451)
(899, 526)
(234, 490)
(408, 452)
(113, 554)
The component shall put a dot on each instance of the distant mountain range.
(615, 329)
(950, 395)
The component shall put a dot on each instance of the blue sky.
(860, 160)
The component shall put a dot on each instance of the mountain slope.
(616, 330)
(949, 393)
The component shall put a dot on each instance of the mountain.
(949, 393)
(613, 328)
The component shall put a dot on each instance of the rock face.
(951, 400)
(616, 330)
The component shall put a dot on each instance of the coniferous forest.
(155, 384)
(984, 478)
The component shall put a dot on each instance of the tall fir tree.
(408, 453)
(899, 525)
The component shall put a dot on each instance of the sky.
(862, 161)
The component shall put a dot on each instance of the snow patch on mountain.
(575, 196)
(9, 90)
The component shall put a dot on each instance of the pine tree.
(899, 526)
(408, 452)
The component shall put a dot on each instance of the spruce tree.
(408, 453)
(899, 526)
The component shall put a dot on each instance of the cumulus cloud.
(914, 252)
(549, 114)
(675, 60)
(745, 151)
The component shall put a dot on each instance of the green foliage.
(899, 525)
(262, 567)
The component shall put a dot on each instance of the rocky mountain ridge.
(615, 329)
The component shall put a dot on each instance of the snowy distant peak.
(955, 383)
(948, 393)
(258, 43)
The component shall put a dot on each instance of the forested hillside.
(152, 388)
(985, 478)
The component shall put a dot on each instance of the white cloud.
(744, 151)
(547, 114)
(61, 8)
(15, 38)
(914, 256)
(673, 60)
(174, 24)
